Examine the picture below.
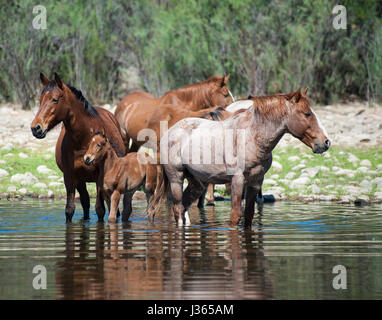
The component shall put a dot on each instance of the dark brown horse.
(136, 109)
(62, 103)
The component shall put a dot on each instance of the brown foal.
(120, 175)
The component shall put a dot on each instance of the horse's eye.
(308, 114)
(99, 145)
(55, 100)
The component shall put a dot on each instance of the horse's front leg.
(250, 200)
(237, 184)
(210, 195)
(100, 206)
(177, 206)
(70, 193)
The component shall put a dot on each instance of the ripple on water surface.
(289, 253)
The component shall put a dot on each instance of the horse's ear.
(305, 91)
(295, 96)
(44, 80)
(58, 81)
(91, 131)
(224, 80)
(103, 132)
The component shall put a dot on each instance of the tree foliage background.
(107, 48)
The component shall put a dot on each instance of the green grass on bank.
(14, 164)
(326, 181)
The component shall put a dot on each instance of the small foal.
(120, 175)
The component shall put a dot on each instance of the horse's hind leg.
(210, 197)
(84, 198)
(228, 188)
(100, 206)
(193, 191)
(150, 181)
(127, 207)
(201, 200)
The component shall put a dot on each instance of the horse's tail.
(160, 194)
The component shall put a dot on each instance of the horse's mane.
(215, 115)
(113, 145)
(78, 94)
(91, 110)
(272, 106)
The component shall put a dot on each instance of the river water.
(290, 253)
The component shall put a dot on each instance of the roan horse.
(62, 103)
(136, 109)
(254, 134)
(221, 114)
(120, 175)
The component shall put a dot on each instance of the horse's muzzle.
(88, 160)
(321, 147)
(38, 132)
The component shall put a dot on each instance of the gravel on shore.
(354, 125)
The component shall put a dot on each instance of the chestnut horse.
(135, 110)
(170, 114)
(254, 133)
(120, 175)
(62, 103)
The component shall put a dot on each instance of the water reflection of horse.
(136, 110)
(62, 103)
(111, 262)
(105, 263)
(255, 132)
(217, 264)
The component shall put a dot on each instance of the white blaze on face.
(320, 125)
(233, 99)
(93, 139)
